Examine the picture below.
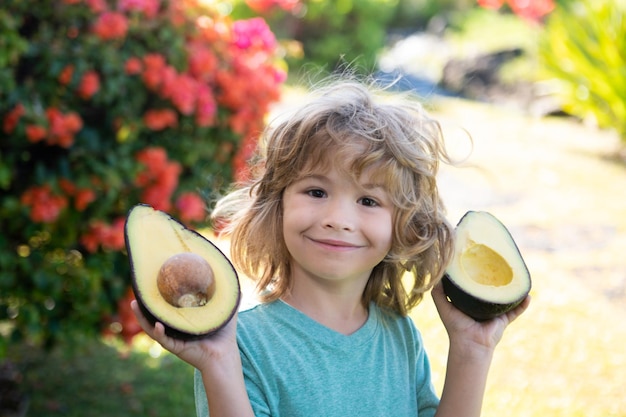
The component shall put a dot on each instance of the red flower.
(97, 6)
(35, 133)
(191, 207)
(89, 85)
(264, 6)
(184, 95)
(159, 119)
(169, 82)
(111, 26)
(153, 159)
(12, 118)
(202, 61)
(62, 127)
(114, 238)
(153, 66)
(82, 196)
(100, 234)
(45, 207)
(490, 4)
(150, 8)
(65, 77)
(133, 66)
(160, 178)
(206, 108)
(67, 186)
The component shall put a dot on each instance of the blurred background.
(108, 103)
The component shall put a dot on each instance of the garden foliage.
(105, 104)
(583, 48)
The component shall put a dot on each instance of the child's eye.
(317, 193)
(369, 202)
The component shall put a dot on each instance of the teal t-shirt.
(296, 367)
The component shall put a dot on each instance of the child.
(343, 209)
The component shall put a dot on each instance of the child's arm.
(471, 350)
(218, 360)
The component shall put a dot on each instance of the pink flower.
(111, 26)
(253, 33)
(191, 207)
(532, 10)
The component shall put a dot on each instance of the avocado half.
(487, 276)
(155, 240)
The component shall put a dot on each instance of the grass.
(101, 378)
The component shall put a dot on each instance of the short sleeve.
(202, 405)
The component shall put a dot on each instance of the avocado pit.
(186, 280)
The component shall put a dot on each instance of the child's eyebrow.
(374, 185)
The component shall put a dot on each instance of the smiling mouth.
(337, 244)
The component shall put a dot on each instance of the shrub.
(582, 48)
(106, 104)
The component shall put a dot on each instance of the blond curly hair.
(348, 120)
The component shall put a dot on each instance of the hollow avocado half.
(154, 238)
(487, 275)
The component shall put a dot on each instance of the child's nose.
(340, 214)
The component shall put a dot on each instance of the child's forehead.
(368, 175)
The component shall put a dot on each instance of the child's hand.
(468, 334)
(198, 353)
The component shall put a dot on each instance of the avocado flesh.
(152, 237)
(487, 275)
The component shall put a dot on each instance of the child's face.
(335, 228)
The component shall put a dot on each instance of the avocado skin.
(174, 333)
(152, 318)
(479, 310)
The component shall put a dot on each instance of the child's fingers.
(441, 300)
(156, 331)
(147, 327)
(517, 311)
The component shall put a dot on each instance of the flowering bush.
(326, 33)
(533, 10)
(105, 104)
